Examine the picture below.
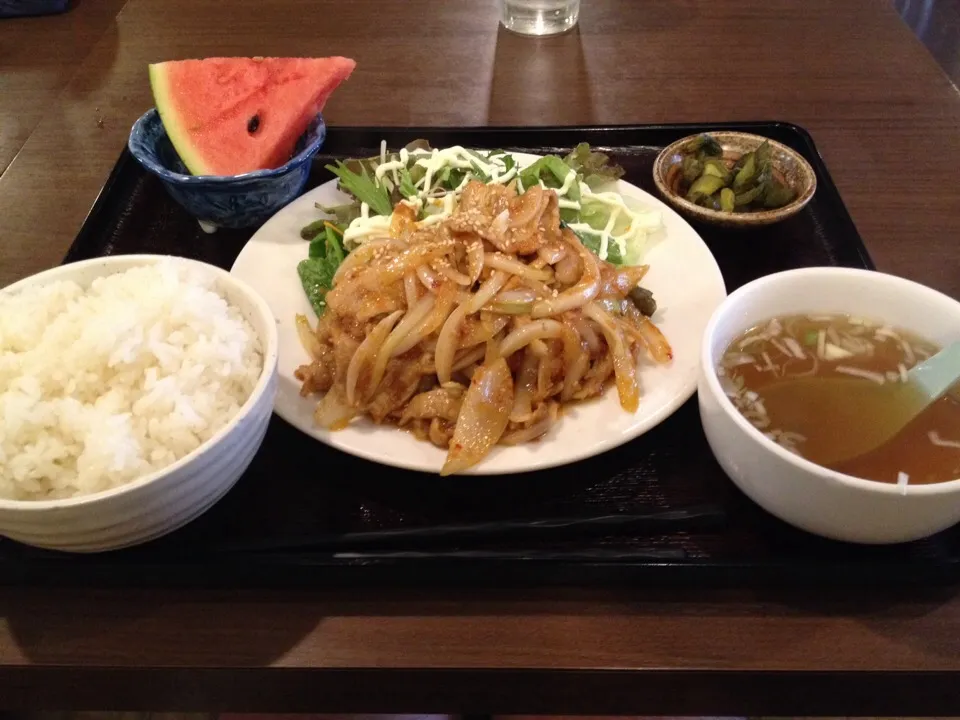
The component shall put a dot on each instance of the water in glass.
(539, 17)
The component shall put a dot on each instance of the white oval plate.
(683, 276)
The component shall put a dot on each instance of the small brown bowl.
(788, 166)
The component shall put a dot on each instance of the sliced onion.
(612, 306)
(539, 330)
(481, 332)
(367, 353)
(488, 321)
(526, 381)
(474, 260)
(483, 417)
(333, 412)
(525, 334)
(431, 323)
(514, 302)
(573, 355)
(487, 290)
(510, 308)
(491, 352)
(541, 289)
(624, 368)
(428, 277)
(539, 348)
(656, 342)
(580, 294)
(447, 343)
(517, 295)
(567, 270)
(468, 357)
(587, 334)
(506, 263)
(411, 288)
(537, 429)
(370, 305)
(444, 268)
(362, 255)
(620, 281)
(307, 338)
(573, 375)
(442, 402)
(552, 253)
(414, 317)
(499, 224)
(439, 434)
(545, 373)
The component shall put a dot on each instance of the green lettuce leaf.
(552, 171)
(592, 243)
(594, 168)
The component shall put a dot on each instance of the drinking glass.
(539, 17)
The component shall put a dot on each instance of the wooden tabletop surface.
(885, 119)
(38, 56)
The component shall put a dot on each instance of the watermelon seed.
(252, 124)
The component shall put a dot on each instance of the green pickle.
(749, 184)
(691, 168)
(777, 195)
(747, 172)
(727, 200)
(745, 198)
(704, 186)
(716, 166)
(763, 155)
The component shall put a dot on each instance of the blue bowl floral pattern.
(235, 201)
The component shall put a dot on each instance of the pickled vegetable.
(746, 173)
(763, 155)
(777, 195)
(748, 184)
(745, 198)
(704, 186)
(716, 166)
(691, 168)
(727, 198)
(643, 300)
(705, 146)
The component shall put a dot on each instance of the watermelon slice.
(227, 116)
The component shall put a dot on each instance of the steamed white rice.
(101, 386)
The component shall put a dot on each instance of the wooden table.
(885, 118)
(38, 56)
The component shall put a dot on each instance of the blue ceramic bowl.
(232, 201)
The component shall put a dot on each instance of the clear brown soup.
(812, 382)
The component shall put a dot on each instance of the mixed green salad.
(429, 182)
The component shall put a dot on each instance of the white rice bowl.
(104, 383)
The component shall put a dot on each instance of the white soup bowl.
(804, 494)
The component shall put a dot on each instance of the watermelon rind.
(173, 123)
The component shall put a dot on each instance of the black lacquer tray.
(378, 526)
